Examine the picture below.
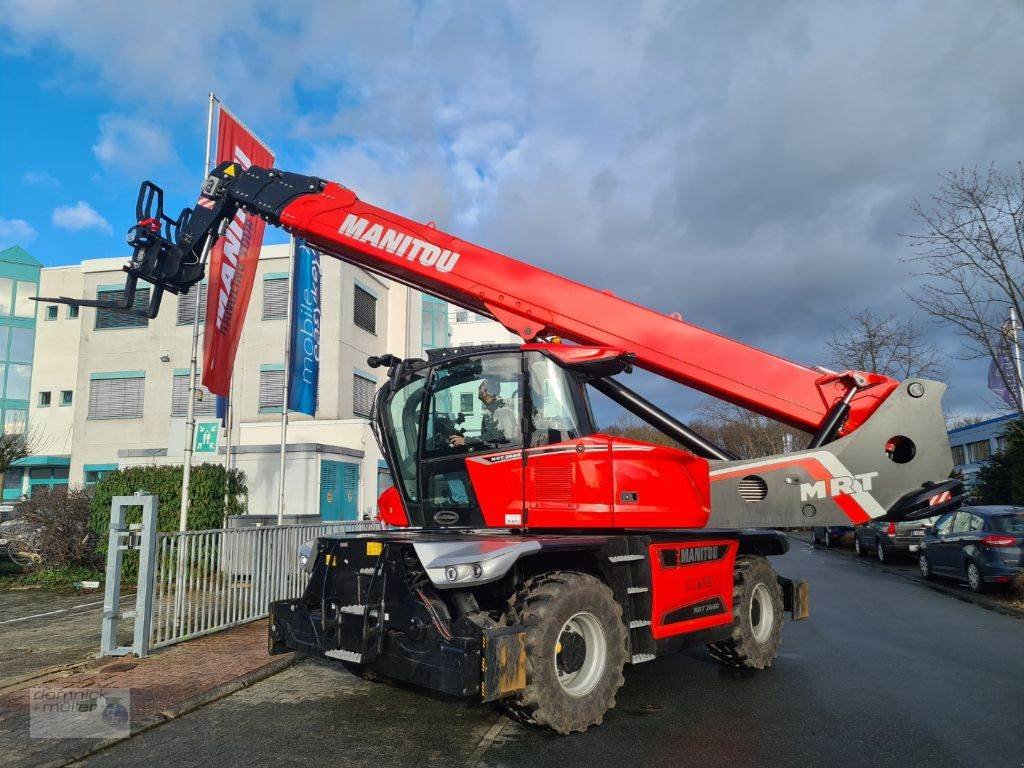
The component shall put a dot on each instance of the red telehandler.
(530, 557)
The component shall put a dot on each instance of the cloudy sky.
(750, 165)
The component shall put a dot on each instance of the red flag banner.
(233, 261)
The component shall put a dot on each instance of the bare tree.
(745, 433)
(971, 251)
(885, 345)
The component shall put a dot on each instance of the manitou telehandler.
(529, 557)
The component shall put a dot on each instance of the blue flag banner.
(1002, 370)
(222, 410)
(304, 362)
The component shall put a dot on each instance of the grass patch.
(59, 577)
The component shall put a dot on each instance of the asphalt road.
(886, 672)
(40, 630)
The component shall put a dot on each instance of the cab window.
(553, 409)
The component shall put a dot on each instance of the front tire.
(858, 547)
(881, 554)
(757, 617)
(575, 650)
(828, 539)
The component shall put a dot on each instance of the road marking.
(61, 610)
(487, 740)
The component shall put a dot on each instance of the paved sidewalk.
(163, 686)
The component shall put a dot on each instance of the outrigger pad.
(796, 599)
(502, 663)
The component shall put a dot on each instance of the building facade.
(110, 390)
(974, 443)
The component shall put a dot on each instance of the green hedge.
(206, 497)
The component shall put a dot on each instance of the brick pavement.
(161, 686)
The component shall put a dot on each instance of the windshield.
(1009, 523)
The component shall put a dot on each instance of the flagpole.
(287, 375)
(228, 415)
(190, 418)
(1016, 360)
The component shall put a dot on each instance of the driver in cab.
(499, 423)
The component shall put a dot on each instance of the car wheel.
(858, 547)
(974, 580)
(880, 552)
(828, 539)
(814, 538)
(924, 566)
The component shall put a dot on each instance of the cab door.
(568, 471)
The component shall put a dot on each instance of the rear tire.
(575, 650)
(858, 547)
(924, 566)
(757, 617)
(974, 579)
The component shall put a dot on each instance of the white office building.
(111, 390)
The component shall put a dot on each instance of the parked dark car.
(831, 535)
(887, 541)
(984, 545)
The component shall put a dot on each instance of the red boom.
(523, 298)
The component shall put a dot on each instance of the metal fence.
(205, 581)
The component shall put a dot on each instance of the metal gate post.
(147, 560)
(121, 539)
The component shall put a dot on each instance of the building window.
(51, 312)
(105, 319)
(66, 396)
(275, 298)
(18, 378)
(271, 390)
(13, 479)
(116, 396)
(72, 312)
(207, 406)
(364, 310)
(466, 402)
(23, 304)
(958, 455)
(96, 472)
(1001, 444)
(362, 395)
(6, 292)
(14, 421)
(979, 451)
(462, 316)
(46, 477)
(22, 341)
(44, 399)
(187, 307)
(434, 326)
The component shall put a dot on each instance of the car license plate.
(918, 532)
(913, 547)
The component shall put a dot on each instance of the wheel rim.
(828, 539)
(922, 565)
(581, 653)
(881, 553)
(856, 545)
(762, 613)
(973, 576)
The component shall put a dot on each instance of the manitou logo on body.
(398, 243)
(837, 486)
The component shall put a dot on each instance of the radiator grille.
(553, 484)
(753, 488)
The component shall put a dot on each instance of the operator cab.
(484, 436)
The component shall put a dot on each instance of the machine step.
(637, 623)
(355, 610)
(625, 558)
(366, 571)
(640, 658)
(636, 590)
(343, 655)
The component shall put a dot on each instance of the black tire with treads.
(741, 649)
(543, 605)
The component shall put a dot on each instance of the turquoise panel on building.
(19, 283)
